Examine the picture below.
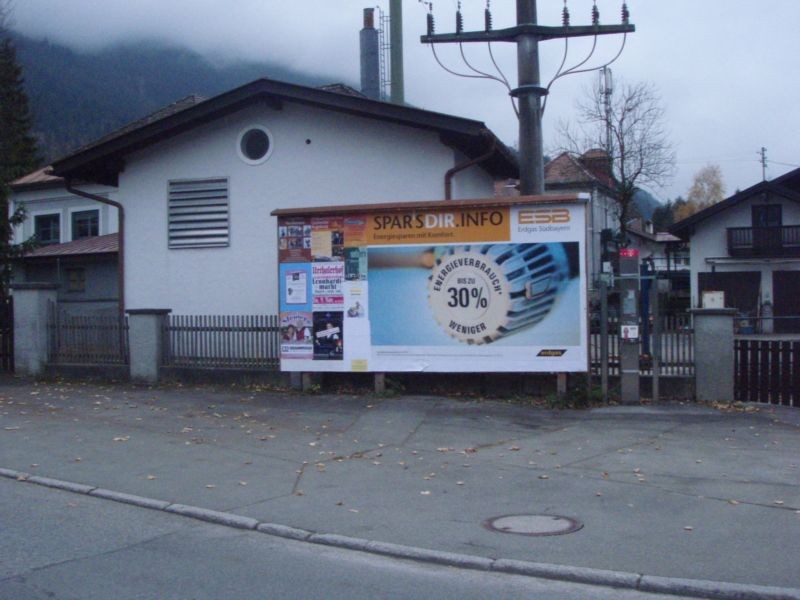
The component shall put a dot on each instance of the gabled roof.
(778, 187)
(102, 160)
(103, 244)
(590, 168)
(41, 178)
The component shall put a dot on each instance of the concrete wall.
(710, 241)
(319, 158)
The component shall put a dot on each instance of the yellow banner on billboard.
(454, 226)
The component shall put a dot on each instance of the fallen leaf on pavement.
(210, 486)
(122, 438)
(242, 483)
(151, 477)
(11, 428)
(778, 502)
(688, 528)
(425, 493)
(544, 477)
(734, 502)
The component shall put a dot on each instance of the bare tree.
(629, 125)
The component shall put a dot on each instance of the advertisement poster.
(327, 239)
(294, 240)
(296, 285)
(485, 289)
(327, 281)
(296, 335)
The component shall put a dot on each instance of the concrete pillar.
(713, 354)
(31, 311)
(145, 340)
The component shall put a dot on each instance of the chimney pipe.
(370, 67)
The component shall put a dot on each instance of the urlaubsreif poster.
(485, 289)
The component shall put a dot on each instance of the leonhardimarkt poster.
(473, 289)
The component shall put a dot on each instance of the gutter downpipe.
(448, 177)
(121, 252)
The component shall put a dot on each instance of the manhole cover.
(533, 524)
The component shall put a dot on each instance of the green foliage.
(18, 152)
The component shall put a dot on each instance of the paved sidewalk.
(675, 491)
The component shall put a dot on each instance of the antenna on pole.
(607, 90)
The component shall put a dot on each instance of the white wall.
(57, 200)
(349, 160)
(710, 241)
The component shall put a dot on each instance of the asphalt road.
(59, 545)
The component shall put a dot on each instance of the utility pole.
(763, 154)
(527, 34)
(607, 87)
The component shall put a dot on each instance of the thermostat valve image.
(481, 292)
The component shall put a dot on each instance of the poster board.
(492, 287)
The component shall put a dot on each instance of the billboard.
(484, 288)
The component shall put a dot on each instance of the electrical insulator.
(459, 22)
(565, 16)
(626, 15)
(595, 15)
(431, 24)
(487, 18)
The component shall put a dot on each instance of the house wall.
(100, 295)
(56, 199)
(710, 241)
(348, 160)
(602, 215)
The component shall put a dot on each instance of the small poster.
(297, 335)
(327, 280)
(355, 264)
(327, 239)
(294, 240)
(328, 336)
(296, 286)
(355, 230)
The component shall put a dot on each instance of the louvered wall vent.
(198, 213)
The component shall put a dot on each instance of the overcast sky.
(727, 70)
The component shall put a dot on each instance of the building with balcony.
(748, 248)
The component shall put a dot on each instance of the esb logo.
(543, 216)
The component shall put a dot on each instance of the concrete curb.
(616, 579)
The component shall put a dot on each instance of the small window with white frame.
(47, 228)
(85, 224)
(254, 144)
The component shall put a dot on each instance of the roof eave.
(93, 162)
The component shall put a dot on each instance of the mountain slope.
(77, 97)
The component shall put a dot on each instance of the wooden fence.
(767, 371)
(7, 334)
(90, 339)
(222, 341)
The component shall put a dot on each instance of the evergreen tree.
(18, 153)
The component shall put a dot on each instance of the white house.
(77, 240)
(199, 179)
(748, 247)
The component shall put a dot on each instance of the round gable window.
(255, 145)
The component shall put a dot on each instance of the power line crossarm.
(542, 32)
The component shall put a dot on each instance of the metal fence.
(86, 339)
(222, 341)
(676, 341)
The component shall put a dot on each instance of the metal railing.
(222, 341)
(677, 347)
(86, 339)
